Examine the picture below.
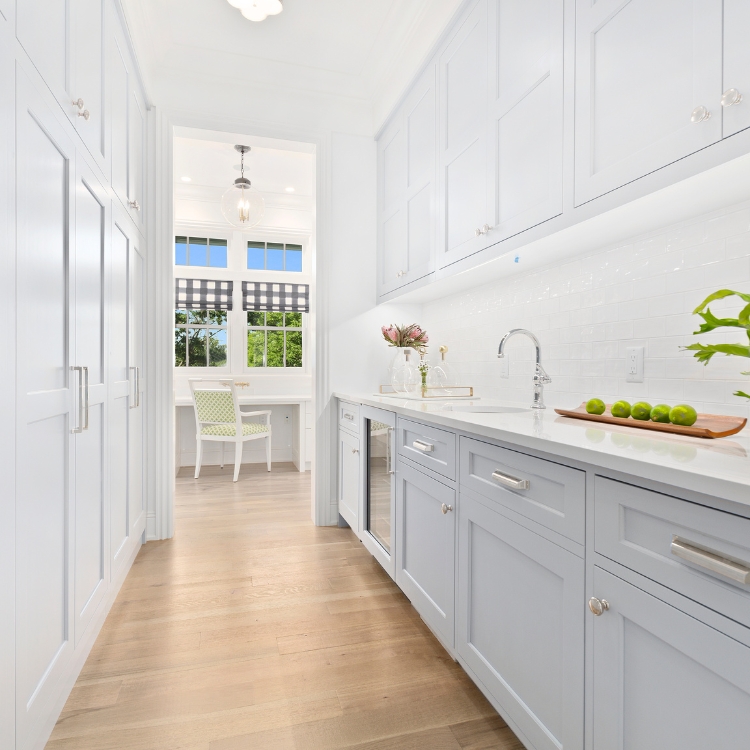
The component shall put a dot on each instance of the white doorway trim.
(161, 430)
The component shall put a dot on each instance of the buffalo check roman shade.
(261, 295)
(203, 294)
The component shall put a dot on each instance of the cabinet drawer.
(548, 493)
(653, 534)
(349, 416)
(428, 446)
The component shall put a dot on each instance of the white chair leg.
(237, 459)
(198, 455)
(222, 454)
(268, 452)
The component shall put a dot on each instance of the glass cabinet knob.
(699, 114)
(730, 97)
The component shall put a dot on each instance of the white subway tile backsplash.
(588, 311)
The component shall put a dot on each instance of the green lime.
(595, 406)
(683, 415)
(641, 410)
(660, 413)
(621, 409)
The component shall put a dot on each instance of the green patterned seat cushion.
(229, 430)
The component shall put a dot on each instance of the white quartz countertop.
(719, 467)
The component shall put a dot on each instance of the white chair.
(218, 417)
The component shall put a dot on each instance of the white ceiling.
(336, 48)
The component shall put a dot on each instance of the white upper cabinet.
(735, 99)
(525, 114)
(648, 83)
(65, 42)
(407, 164)
(464, 213)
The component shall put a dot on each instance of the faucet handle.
(540, 376)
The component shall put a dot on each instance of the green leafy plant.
(703, 352)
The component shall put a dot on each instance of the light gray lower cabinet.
(349, 479)
(519, 624)
(663, 679)
(425, 561)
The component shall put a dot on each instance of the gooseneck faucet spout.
(540, 376)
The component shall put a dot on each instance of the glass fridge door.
(379, 482)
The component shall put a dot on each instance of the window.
(274, 256)
(200, 338)
(197, 251)
(274, 339)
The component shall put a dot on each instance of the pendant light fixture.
(242, 205)
(257, 10)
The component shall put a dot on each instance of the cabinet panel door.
(392, 207)
(349, 479)
(662, 678)
(91, 235)
(42, 29)
(136, 423)
(118, 92)
(88, 64)
(425, 563)
(519, 624)
(736, 64)
(462, 151)
(642, 67)
(137, 155)
(526, 113)
(47, 408)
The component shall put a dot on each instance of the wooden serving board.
(706, 426)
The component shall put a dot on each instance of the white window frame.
(207, 327)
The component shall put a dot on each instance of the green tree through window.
(274, 339)
(200, 338)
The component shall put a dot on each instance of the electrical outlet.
(505, 366)
(634, 364)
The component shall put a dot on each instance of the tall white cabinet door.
(349, 479)
(462, 152)
(88, 71)
(119, 395)
(119, 74)
(642, 70)
(519, 624)
(662, 679)
(42, 30)
(91, 236)
(48, 397)
(136, 411)
(391, 207)
(137, 155)
(420, 132)
(526, 113)
(736, 66)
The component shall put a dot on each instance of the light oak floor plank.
(253, 629)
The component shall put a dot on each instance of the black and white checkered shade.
(203, 294)
(261, 295)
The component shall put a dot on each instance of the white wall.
(587, 310)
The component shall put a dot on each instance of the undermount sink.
(484, 409)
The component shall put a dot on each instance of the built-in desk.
(301, 431)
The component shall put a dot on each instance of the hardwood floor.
(253, 629)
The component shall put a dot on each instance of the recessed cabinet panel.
(421, 231)
(426, 514)
(136, 390)
(349, 479)
(394, 248)
(462, 153)
(394, 165)
(520, 624)
(736, 66)
(526, 113)
(42, 29)
(137, 156)
(119, 97)
(636, 101)
(662, 679)
(420, 126)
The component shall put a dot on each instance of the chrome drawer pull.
(424, 447)
(350, 417)
(509, 481)
(713, 561)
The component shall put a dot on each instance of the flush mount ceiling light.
(242, 205)
(257, 10)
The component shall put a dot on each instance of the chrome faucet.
(540, 376)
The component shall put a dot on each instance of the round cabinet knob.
(730, 97)
(78, 103)
(598, 606)
(354, 450)
(699, 114)
(477, 232)
(445, 508)
(135, 205)
(485, 229)
(85, 114)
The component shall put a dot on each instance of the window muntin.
(274, 339)
(200, 251)
(274, 256)
(200, 338)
